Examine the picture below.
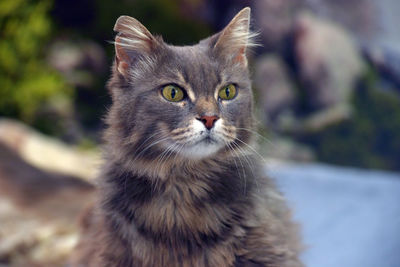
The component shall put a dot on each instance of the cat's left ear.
(236, 37)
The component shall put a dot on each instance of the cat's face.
(192, 101)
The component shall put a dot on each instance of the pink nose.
(208, 121)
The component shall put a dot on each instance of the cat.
(181, 185)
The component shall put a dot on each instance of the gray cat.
(181, 186)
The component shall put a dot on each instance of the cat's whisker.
(248, 160)
(243, 153)
(252, 148)
(229, 130)
(145, 141)
(178, 150)
(243, 178)
(165, 155)
(149, 146)
(230, 145)
(239, 157)
(247, 156)
(259, 135)
(252, 166)
(161, 156)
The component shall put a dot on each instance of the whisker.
(165, 155)
(247, 158)
(259, 135)
(149, 146)
(252, 148)
(231, 149)
(147, 139)
(180, 148)
(161, 156)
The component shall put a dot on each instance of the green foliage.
(159, 16)
(371, 139)
(27, 82)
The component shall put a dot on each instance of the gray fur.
(160, 207)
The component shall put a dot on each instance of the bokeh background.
(327, 88)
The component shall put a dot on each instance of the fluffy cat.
(181, 186)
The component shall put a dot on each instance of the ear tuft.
(236, 37)
(133, 40)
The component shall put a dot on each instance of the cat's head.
(180, 101)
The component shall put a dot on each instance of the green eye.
(227, 92)
(172, 93)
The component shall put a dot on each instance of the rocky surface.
(48, 153)
(275, 21)
(277, 95)
(78, 61)
(361, 17)
(309, 66)
(43, 191)
(39, 211)
(329, 62)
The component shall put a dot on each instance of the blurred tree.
(371, 138)
(166, 17)
(27, 82)
(33, 91)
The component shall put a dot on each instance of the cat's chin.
(203, 149)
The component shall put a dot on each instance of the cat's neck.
(196, 205)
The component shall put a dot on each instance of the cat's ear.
(133, 41)
(236, 37)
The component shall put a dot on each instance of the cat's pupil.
(173, 93)
(227, 91)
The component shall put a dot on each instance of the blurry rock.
(328, 61)
(40, 191)
(48, 153)
(317, 121)
(78, 61)
(361, 17)
(275, 20)
(83, 65)
(29, 241)
(386, 61)
(273, 84)
(38, 212)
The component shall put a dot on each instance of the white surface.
(350, 217)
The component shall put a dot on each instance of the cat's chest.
(186, 208)
(181, 228)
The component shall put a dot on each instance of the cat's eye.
(227, 92)
(172, 93)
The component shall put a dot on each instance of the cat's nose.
(208, 121)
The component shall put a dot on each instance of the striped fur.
(167, 197)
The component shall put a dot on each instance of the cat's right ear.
(132, 41)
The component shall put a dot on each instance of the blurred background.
(327, 89)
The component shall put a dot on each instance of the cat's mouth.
(200, 142)
(204, 146)
(209, 140)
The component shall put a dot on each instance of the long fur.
(158, 206)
